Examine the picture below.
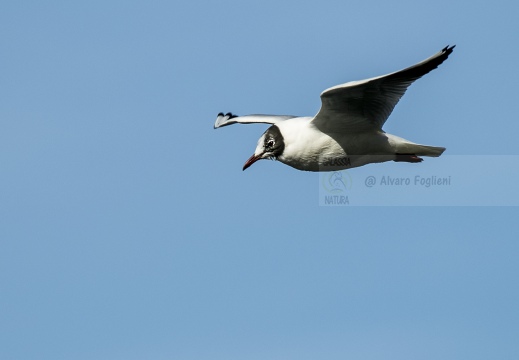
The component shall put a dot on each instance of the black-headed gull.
(347, 130)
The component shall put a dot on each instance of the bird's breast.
(312, 150)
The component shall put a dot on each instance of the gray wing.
(228, 119)
(365, 105)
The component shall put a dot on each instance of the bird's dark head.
(270, 146)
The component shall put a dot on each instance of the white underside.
(307, 148)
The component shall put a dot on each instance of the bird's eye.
(270, 143)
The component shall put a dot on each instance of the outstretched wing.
(228, 119)
(365, 105)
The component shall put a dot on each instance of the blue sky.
(129, 231)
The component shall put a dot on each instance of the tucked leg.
(412, 158)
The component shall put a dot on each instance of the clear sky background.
(129, 231)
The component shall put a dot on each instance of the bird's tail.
(426, 150)
(406, 147)
(402, 146)
(414, 151)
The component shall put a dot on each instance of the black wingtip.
(223, 118)
(448, 49)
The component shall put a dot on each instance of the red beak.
(252, 160)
